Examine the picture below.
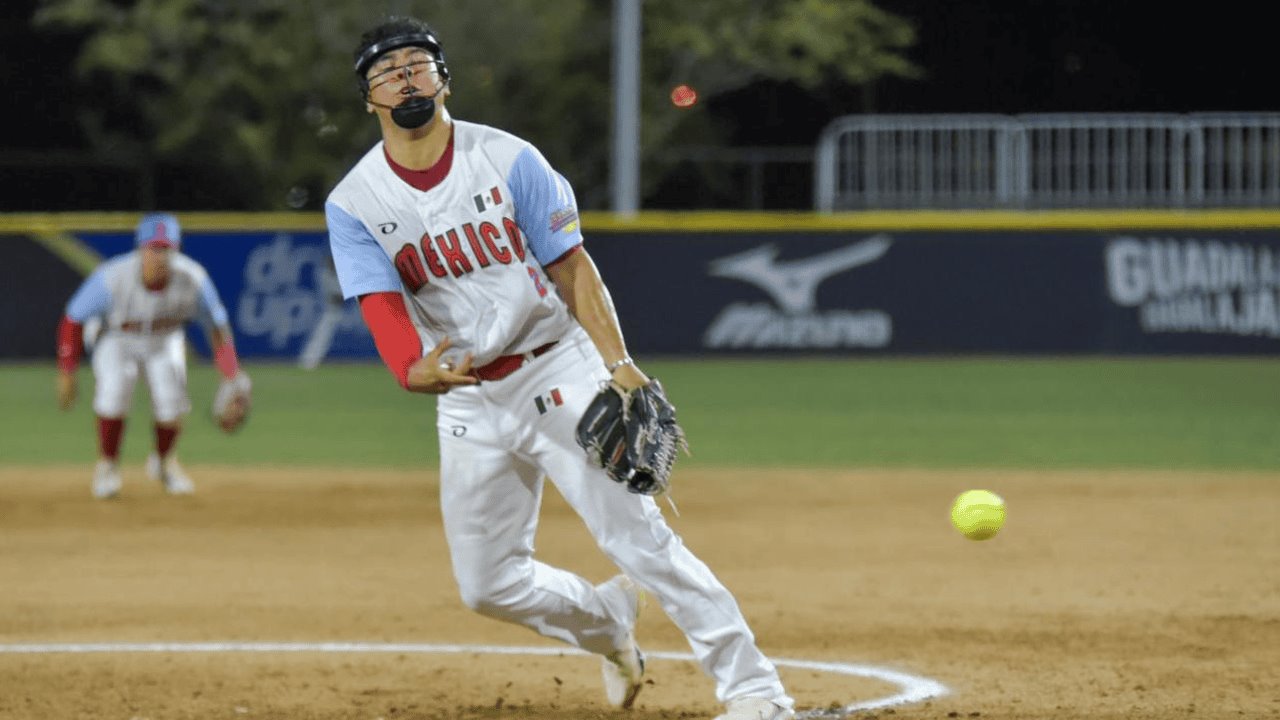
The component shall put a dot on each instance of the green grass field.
(1027, 413)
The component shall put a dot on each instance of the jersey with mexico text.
(467, 252)
(114, 292)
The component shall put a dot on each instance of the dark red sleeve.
(393, 332)
(565, 255)
(70, 344)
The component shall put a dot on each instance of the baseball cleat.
(623, 669)
(170, 474)
(623, 675)
(106, 480)
(754, 708)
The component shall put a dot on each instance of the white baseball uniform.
(467, 253)
(142, 331)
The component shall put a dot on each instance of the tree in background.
(262, 91)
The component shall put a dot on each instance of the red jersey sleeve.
(393, 332)
(70, 344)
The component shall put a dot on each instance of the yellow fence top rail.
(896, 220)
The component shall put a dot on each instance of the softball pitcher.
(141, 300)
(463, 247)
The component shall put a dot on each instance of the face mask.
(417, 110)
(414, 112)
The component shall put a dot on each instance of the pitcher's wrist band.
(613, 366)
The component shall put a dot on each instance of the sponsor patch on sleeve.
(565, 219)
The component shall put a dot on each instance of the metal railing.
(1048, 161)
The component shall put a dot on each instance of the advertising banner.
(278, 289)
(805, 292)
(35, 285)
(946, 292)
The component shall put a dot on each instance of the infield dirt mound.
(1106, 595)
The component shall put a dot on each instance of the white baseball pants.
(498, 440)
(119, 357)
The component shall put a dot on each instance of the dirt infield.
(1107, 595)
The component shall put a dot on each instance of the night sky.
(1088, 56)
(1000, 56)
(1009, 57)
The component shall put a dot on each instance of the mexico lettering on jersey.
(114, 291)
(467, 252)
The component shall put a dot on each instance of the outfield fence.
(773, 284)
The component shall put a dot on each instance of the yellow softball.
(978, 514)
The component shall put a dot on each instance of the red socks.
(165, 436)
(109, 432)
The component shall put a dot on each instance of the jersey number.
(537, 281)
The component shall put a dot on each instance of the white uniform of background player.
(473, 280)
(139, 304)
(321, 337)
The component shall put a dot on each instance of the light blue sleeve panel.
(546, 210)
(363, 267)
(92, 299)
(211, 309)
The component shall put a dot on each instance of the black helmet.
(395, 33)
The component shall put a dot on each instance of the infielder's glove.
(232, 401)
(633, 436)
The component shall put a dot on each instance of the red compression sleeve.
(70, 344)
(564, 256)
(225, 358)
(398, 342)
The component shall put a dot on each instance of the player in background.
(144, 299)
(321, 338)
(463, 247)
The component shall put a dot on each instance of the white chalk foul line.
(912, 688)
